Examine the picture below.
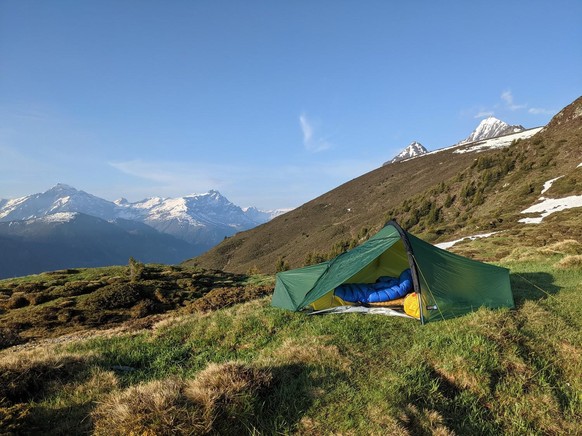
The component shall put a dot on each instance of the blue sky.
(272, 103)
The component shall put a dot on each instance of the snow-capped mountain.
(200, 219)
(491, 127)
(414, 149)
(60, 198)
(65, 227)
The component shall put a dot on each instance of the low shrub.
(143, 308)
(38, 298)
(9, 337)
(17, 301)
(78, 287)
(225, 297)
(114, 296)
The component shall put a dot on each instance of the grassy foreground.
(253, 369)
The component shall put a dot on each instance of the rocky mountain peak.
(414, 149)
(492, 127)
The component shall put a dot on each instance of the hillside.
(442, 195)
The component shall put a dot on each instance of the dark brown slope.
(403, 189)
(337, 215)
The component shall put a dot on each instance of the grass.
(251, 368)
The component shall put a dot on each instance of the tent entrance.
(390, 263)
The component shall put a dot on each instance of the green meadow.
(248, 368)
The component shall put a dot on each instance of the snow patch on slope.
(59, 217)
(447, 245)
(500, 142)
(548, 206)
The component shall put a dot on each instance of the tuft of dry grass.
(570, 262)
(12, 417)
(424, 421)
(221, 399)
(227, 392)
(153, 408)
(567, 246)
(24, 375)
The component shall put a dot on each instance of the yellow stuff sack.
(411, 306)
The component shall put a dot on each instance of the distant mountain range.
(488, 128)
(65, 227)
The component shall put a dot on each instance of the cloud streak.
(311, 142)
(540, 111)
(507, 98)
(507, 103)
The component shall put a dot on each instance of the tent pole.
(412, 262)
(420, 307)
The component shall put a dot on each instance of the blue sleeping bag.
(385, 289)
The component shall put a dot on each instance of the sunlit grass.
(489, 372)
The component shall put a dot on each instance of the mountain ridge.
(37, 229)
(73, 239)
(489, 128)
(203, 219)
(439, 196)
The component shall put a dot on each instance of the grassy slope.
(490, 372)
(502, 183)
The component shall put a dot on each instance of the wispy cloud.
(540, 111)
(507, 103)
(311, 141)
(483, 114)
(510, 104)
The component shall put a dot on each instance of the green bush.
(114, 296)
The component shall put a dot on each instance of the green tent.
(447, 285)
